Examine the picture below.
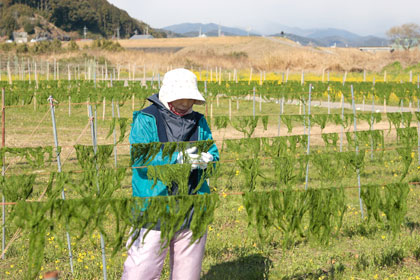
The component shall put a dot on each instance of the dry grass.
(265, 54)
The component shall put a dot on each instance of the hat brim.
(182, 94)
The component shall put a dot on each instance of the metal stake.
(115, 135)
(92, 126)
(63, 196)
(371, 127)
(357, 150)
(309, 136)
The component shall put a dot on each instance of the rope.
(77, 140)
(30, 137)
(223, 194)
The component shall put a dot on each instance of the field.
(262, 54)
(259, 155)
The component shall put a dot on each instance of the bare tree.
(406, 35)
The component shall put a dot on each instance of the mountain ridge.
(323, 37)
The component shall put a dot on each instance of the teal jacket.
(144, 130)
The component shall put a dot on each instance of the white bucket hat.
(180, 84)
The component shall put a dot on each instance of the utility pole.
(118, 32)
(84, 32)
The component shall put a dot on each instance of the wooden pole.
(302, 78)
(3, 144)
(106, 71)
(36, 76)
(230, 109)
(9, 74)
(29, 71)
(329, 103)
(253, 102)
(144, 74)
(103, 108)
(342, 126)
(418, 130)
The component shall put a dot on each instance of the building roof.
(20, 34)
(141, 37)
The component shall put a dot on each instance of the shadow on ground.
(249, 267)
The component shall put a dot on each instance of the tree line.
(99, 17)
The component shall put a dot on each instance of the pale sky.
(364, 17)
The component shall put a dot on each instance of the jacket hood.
(155, 100)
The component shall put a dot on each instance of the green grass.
(233, 251)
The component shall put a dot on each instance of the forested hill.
(99, 16)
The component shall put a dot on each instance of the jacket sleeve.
(144, 130)
(206, 135)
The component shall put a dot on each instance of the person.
(170, 118)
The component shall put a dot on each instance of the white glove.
(189, 153)
(203, 160)
(196, 161)
(206, 157)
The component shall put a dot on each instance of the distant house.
(20, 37)
(141, 37)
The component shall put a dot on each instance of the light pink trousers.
(145, 258)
